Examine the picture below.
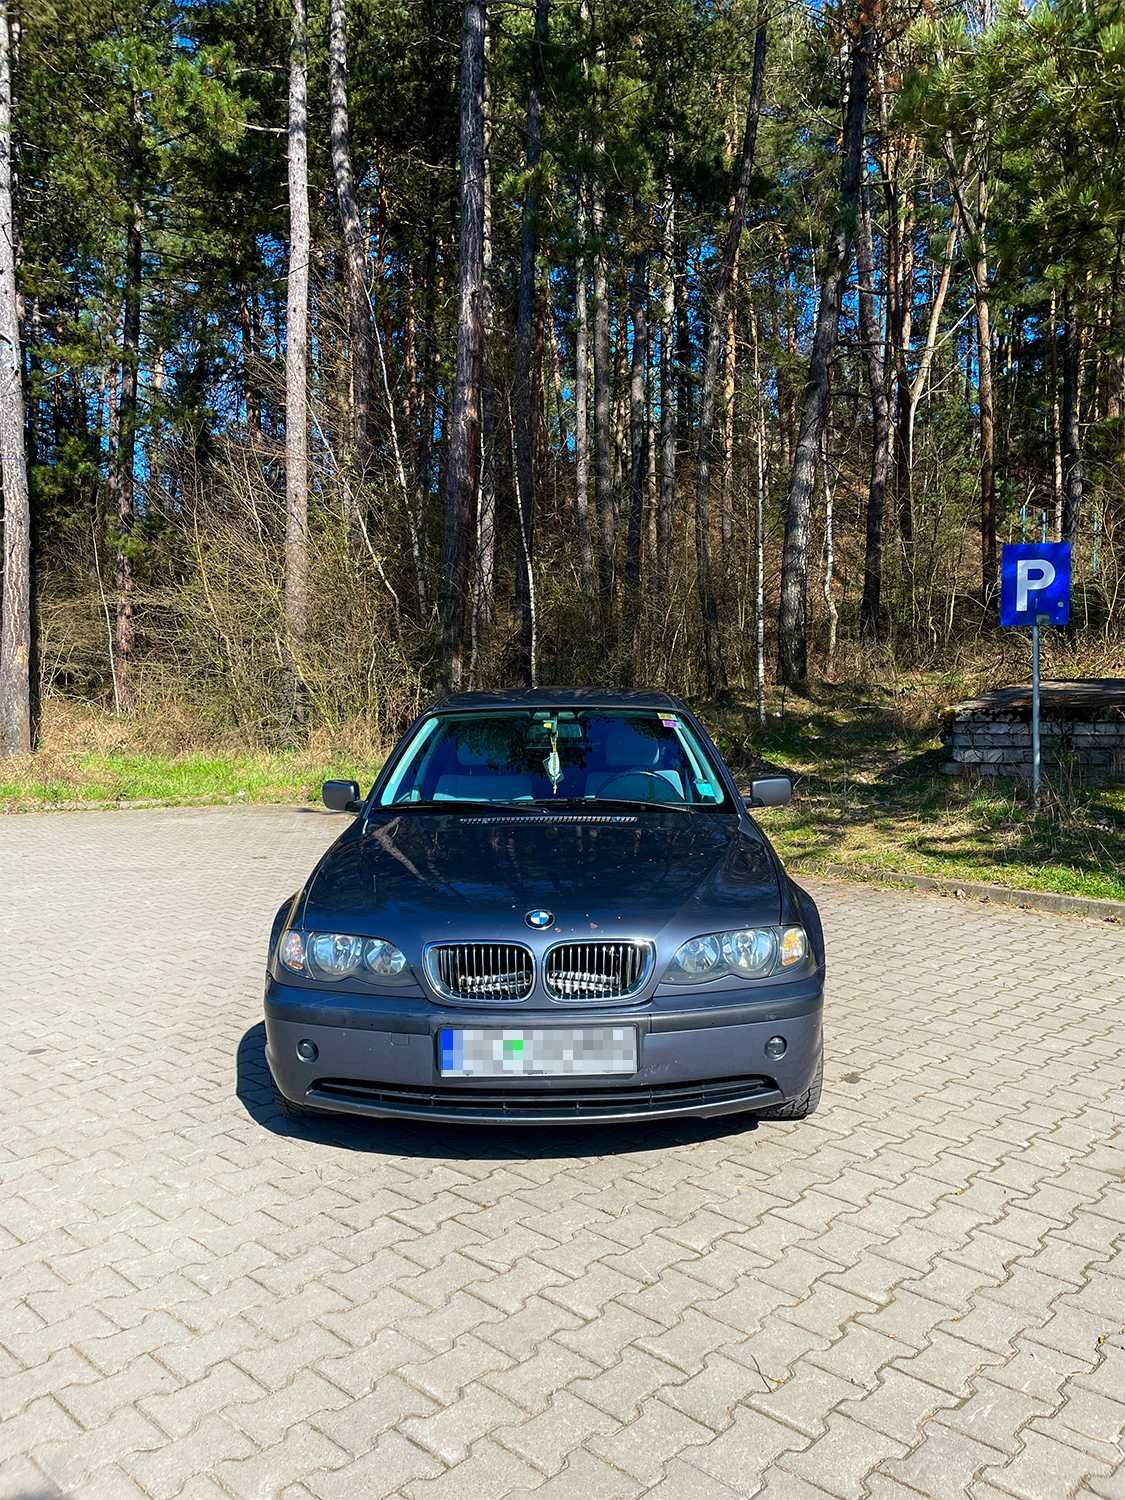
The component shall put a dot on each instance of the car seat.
(625, 749)
(471, 780)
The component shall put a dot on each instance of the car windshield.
(516, 756)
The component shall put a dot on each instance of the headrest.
(625, 745)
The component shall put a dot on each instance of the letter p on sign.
(1035, 583)
(1032, 575)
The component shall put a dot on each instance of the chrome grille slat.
(501, 973)
(588, 972)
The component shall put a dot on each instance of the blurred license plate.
(514, 1052)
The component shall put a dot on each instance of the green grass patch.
(46, 780)
(870, 792)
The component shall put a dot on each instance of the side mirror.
(769, 791)
(341, 796)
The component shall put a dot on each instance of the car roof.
(558, 697)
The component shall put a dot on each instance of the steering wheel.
(625, 787)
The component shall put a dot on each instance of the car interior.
(570, 756)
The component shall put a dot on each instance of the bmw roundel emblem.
(539, 918)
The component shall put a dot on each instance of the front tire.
(804, 1105)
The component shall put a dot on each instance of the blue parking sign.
(1035, 583)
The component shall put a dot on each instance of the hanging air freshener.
(552, 765)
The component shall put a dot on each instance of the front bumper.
(379, 1056)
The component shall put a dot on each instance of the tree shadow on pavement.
(470, 1142)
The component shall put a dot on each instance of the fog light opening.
(776, 1047)
(307, 1051)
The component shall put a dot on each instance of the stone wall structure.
(1082, 727)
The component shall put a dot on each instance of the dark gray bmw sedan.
(553, 906)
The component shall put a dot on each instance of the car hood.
(422, 876)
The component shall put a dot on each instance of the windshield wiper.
(461, 804)
(595, 802)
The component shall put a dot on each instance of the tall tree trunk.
(872, 336)
(987, 430)
(529, 574)
(603, 374)
(410, 361)
(124, 466)
(714, 666)
(759, 524)
(794, 296)
(1115, 372)
(726, 429)
(463, 461)
(638, 431)
(901, 204)
(427, 370)
(668, 390)
(922, 373)
(297, 337)
(685, 353)
(483, 583)
(829, 556)
(355, 269)
(1006, 373)
(904, 468)
(603, 417)
(975, 218)
(1071, 440)
(555, 364)
(620, 397)
(648, 554)
(526, 382)
(792, 644)
(15, 618)
(727, 382)
(582, 405)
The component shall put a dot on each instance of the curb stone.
(15, 807)
(978, 890)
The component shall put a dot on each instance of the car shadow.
(473, 1142)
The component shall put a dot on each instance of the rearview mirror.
(341, 796)
(769, 791)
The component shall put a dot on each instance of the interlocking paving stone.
(920, 1291)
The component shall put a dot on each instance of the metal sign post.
(1035, 755)
(1035, 590)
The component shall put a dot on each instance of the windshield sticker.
(669, 723)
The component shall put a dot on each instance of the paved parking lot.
(919, 1291)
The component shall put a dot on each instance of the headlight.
(749, 953)
(333, 955)
(698, 959)
(383, 959)
(338, 955)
